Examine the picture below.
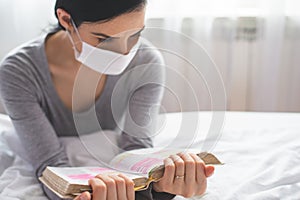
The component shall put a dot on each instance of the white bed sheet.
(261, 152)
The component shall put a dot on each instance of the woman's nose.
(123, 47)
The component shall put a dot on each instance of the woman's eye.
(100, 39)
(103, 39)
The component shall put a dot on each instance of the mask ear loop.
(77, 33)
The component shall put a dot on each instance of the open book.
(143, 166)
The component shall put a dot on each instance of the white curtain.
(254, 44)
(21, 21)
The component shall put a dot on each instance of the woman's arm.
(146, 87)
(143, 109)
(34, 130)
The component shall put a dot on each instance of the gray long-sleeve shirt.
(128, 102)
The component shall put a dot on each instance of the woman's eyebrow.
(103, 35)
(111, 37)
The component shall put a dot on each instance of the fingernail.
(83, 197)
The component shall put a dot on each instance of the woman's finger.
(179, 169)
(99, 188)
(200, 168)
(166, 183)
(129, 187)
(190, 168)
(111, 191)
(169, 173)
(209, 170)
(200, 175)
(120, 187)
(84, 196)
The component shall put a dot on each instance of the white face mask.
(103, 61)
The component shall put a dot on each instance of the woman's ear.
(64, 19)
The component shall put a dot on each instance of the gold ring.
(179, 176)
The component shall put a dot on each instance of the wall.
(257, 57)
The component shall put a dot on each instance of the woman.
(38, 82)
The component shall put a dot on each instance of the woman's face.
(119, 34)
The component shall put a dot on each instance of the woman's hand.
(110, 187)
(185, 174)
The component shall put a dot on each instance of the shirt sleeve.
(35, 132)
(142, 112)
(144, 95)
(150, 194)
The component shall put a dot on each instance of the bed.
(261, 152)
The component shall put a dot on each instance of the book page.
(81, 175)
(142, 160)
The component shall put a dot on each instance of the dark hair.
(97, 10)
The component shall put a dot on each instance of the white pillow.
(95, 149)
(6, 155)
(14, 144)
